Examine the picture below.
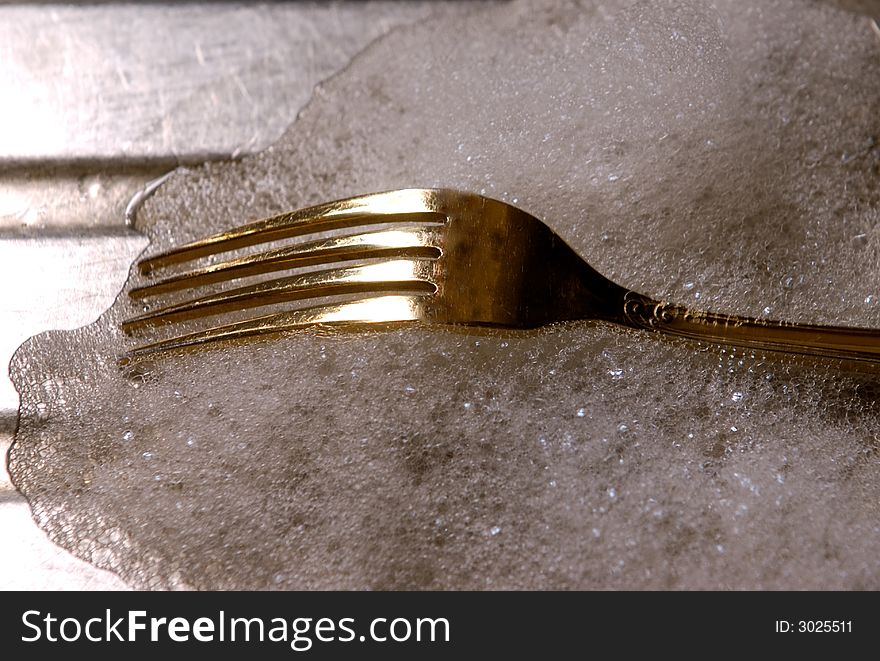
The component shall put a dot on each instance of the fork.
(436, 256)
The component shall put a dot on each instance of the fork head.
(431, 255)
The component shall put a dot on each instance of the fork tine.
(413, 243)
(401, 275)
(382, 308)
(405, 206)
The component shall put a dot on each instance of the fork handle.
(862, 344)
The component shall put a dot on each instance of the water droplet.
(409, 390)
(612, 493)
(494, 530)
(734, 429)
(616, 373)
(766, 310)
(467, 405)
(147, 455)
(596, 532)
(622, 428)
(737, 396)
(613, 177)
(869, 299)
(688, 286)
(127, 436)
(581, 413)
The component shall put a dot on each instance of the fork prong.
(404, 206)
(408, 242)
(370, 310)
(399, 275)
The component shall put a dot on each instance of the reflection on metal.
(71, 277)
(468, 260)
(136, 81)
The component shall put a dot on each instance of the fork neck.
(581, 292)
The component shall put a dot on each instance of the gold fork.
(429, 255)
